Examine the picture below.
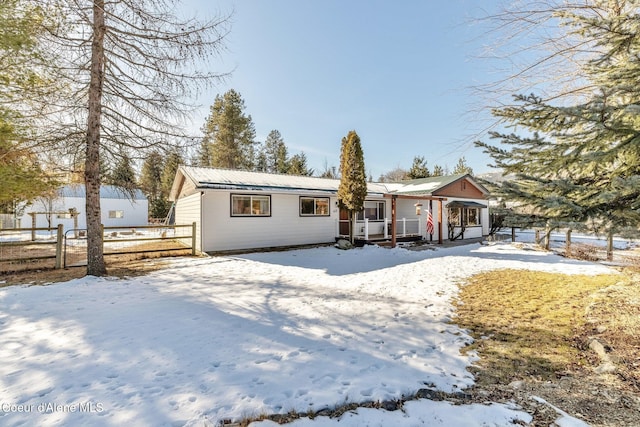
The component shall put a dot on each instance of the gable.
(462, 188)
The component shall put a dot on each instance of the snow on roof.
(430, 185)
(106, 192)
(238, 179)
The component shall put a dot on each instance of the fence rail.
(21, 252)
(35, 248)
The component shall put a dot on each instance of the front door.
(344, 222)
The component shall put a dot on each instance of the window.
(250, 205)
(454, 216)
(116, 214)
(373, 211)
(314, 206)
(471, 216)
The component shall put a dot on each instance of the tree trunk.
(95, 255)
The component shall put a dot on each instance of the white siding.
(406, 208)
(188, 211)
(134, 212)
(469, 232)
(284, 227)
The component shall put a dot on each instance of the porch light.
(418, 206)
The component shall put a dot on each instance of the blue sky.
(396, 72)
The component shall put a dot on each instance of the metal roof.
(465, 204)
(106, 192)
(260, 181)
(432, 184)
(425, 185)
(231, 179)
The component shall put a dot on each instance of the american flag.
(429, 222)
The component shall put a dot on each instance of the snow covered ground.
(225, 337)
(559, 239)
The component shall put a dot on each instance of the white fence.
(366, 229)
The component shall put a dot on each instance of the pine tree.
(151, 175)
(123, 175)
(171, 165)
(151, 184)
(330, 172)
(352, 190)
(274, 153)
(22, 76)
(437, 170)
(580, 158)
(204, 157)
(229, 134)
(462, 167)
(418, 169)
(298, 165)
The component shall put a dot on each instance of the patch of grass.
(525, 323)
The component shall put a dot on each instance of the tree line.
(229, 141)
(419, 169)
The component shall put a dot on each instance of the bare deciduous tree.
(131, 70)
(534, 50)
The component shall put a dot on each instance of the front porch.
(367, 231)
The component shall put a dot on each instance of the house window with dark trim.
(250, 205)
(314, 206)
(470, 216)
(454, 216)
(373, 211)
(116, 214)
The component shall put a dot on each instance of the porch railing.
(366, 228)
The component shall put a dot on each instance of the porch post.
(439, 221)
(431, 212)
(404, 227)
(393, 221)
(386, 228)
(366, 229)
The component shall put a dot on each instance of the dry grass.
(531, 332)
(614, 316)
(117, 266)
(530, 318)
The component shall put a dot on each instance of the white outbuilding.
(118, 208)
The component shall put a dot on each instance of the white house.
(118, 207)
(237, 210)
